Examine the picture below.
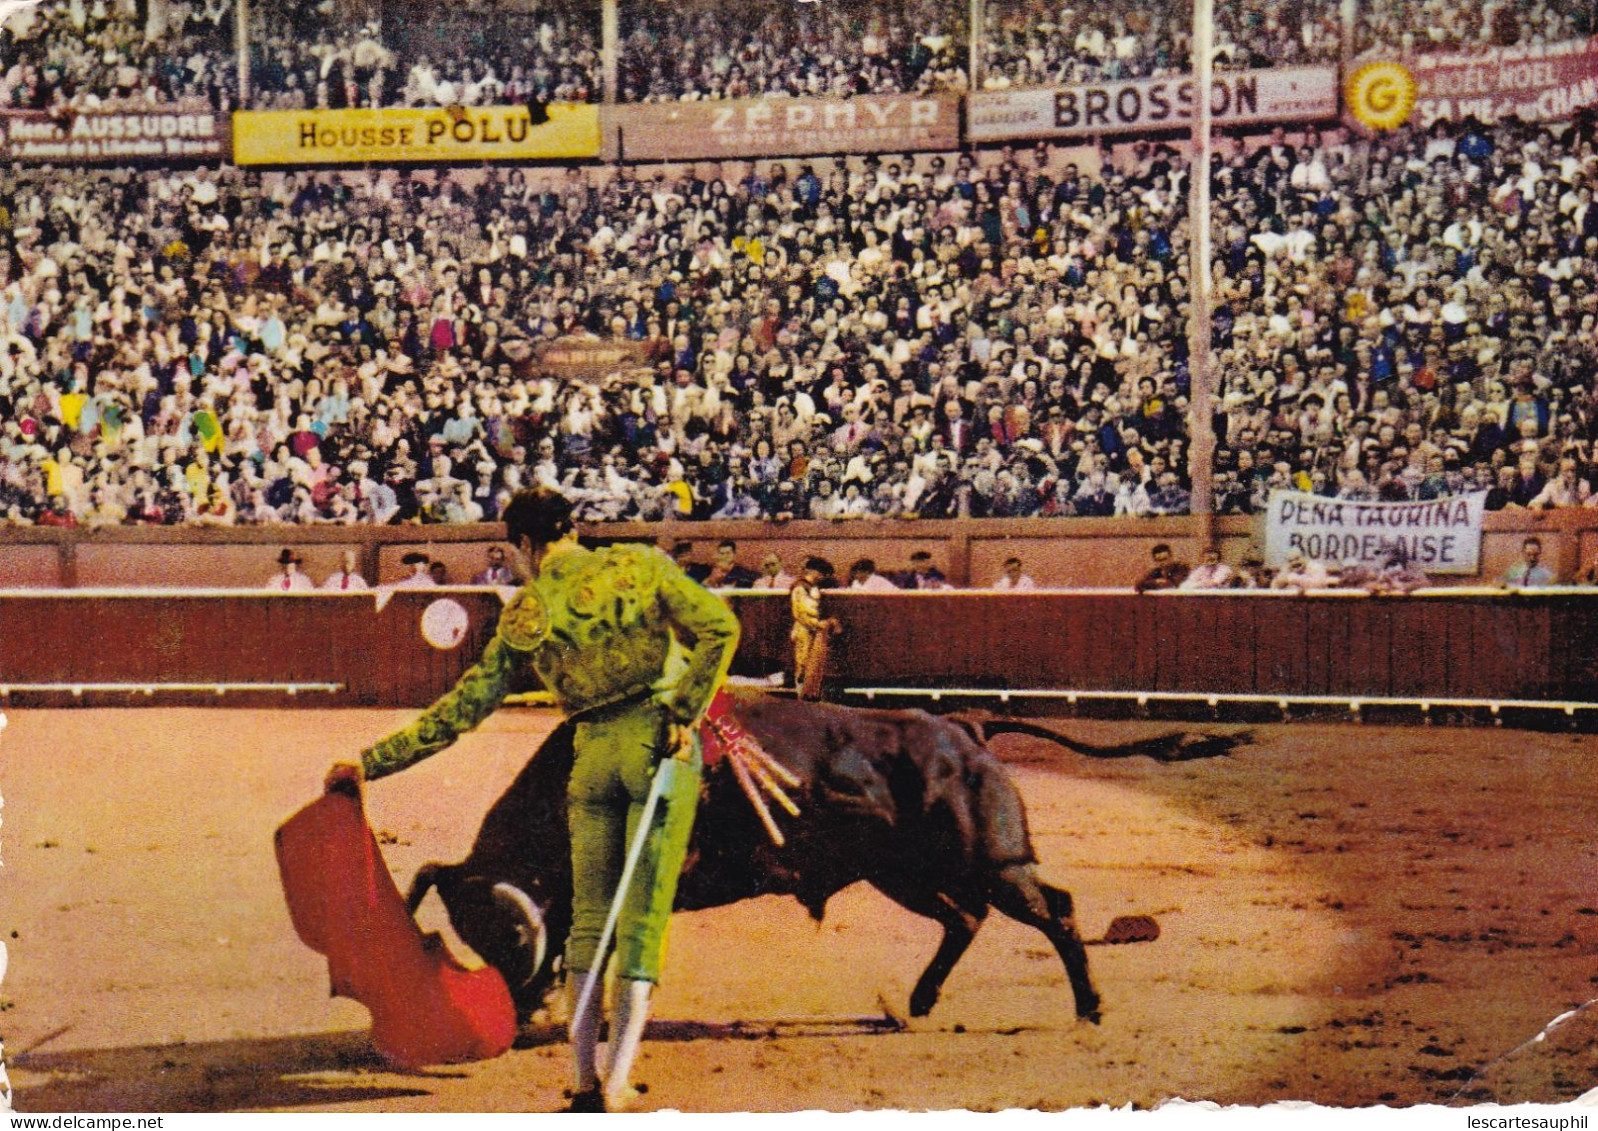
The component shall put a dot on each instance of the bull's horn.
(515, 900)
(426, 879)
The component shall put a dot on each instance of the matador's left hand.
(344, 777)
(680, 742)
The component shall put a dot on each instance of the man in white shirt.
(1566, 489)
(497, 572)
(923, 574)
(1210, 573)
(863, 576)
(1302, 573)
(346, 579)
(420, 576)
(1012, 577)
(773, 576)
(289, 579)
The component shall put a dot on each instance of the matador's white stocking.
(626, 1034)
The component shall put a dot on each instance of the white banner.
(1277, 94)
(1440, 536)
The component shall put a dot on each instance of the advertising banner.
(1440, 536)
(787, 127)
(1281, 94)
(1541, 83)
(476, 133)
(99, 136)
(589, 357)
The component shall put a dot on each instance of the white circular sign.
(444, 624)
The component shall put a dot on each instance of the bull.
(911, 803)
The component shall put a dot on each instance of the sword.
(658, 788)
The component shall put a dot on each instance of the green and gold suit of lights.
(628, 644)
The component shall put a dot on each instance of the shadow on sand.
(317, 1070)
(271, 1072)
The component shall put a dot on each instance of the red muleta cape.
(426, 1007)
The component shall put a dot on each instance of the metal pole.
(609, 50)
(976, 14)
(241, 37)
(1348, 12)
(1201, 432)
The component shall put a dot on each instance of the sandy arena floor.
(1352, 916)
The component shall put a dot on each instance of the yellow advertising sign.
(1381, 95)
(457, 133)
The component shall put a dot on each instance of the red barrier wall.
(1512, 646)
(1537, 647)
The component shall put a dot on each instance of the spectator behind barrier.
(863, 576)
(772, 575)
(1302, 572)
(1166, 573)
(922, 574)
(1210, 573)
(347, 578)
(725, 572)
(1012, 577)
(290, 578)
(1529, 572)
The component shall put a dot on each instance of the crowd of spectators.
(930, 336)
(310, 53)
(322, 54)
(1422, 322)
(1042, 43)
(118, 54)
(750, 48)
(477, 54)
(1466, 25)
(307, 53)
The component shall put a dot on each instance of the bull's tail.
(1177, 746)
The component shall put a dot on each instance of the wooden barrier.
(1437, 646)
(368, 644)
(115, 646)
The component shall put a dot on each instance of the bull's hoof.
(922, 1001)
(1093, 1016)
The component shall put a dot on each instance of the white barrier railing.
(78, 690)
(1353, 703)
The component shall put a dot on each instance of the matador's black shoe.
(588, 1101)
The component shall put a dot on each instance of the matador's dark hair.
(541, 514)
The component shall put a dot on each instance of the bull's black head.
(509, 928)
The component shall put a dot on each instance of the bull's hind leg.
(1019, 893)
(960, 925)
